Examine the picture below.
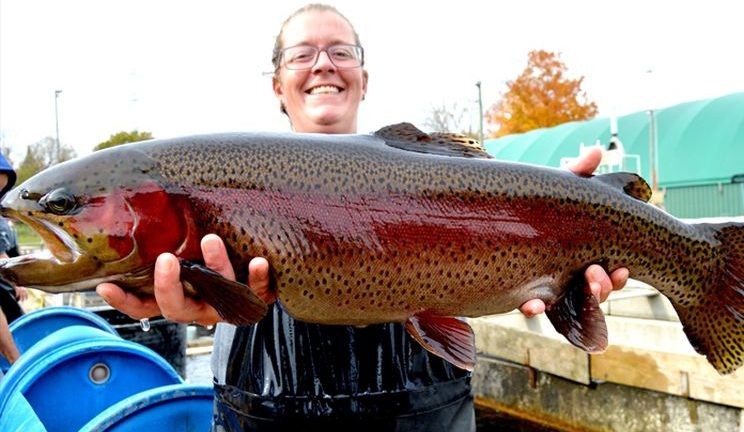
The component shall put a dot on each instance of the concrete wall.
(566, 405)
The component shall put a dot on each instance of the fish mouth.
(63, 267)
(57, 241)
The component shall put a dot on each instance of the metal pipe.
(56, 124)
(480, 111)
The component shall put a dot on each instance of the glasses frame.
(319, 50)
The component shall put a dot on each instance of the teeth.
(324, 89)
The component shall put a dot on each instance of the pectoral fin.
(446, 337)
(234, 301)
(577, 316)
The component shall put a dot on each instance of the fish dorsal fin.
(406, 136)
(447, 337)
(633, 184)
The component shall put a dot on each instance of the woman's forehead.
(317, 28)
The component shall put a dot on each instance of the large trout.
(398, 226)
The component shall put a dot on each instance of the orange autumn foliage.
(542, 96)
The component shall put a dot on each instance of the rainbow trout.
(396, 226)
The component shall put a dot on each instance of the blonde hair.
(313, 7)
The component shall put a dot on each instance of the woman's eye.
(299, 54)
(342, 54)
(301, 57)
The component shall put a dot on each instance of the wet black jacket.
(285, 374)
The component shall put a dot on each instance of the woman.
(282, 374)
(8, 348)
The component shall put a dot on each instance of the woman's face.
(323, 99)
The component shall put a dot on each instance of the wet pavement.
(198, 370)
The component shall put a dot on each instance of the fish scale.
(399, 226)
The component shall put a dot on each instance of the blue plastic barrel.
(75, 373)
(179, 407)
(24, 417)
(35, 326)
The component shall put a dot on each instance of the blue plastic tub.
(35, 326)
(77, 372)
(180, 407)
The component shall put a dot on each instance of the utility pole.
(652, 134)
(480, 111)
(652, 149)
(56, 123)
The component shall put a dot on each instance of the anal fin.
(447, 337)
(578, 317)
(235, 302)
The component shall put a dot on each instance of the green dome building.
(698, 153)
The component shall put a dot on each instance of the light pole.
(56, 122)
(652, 134)
(652, 149)
(480, 111)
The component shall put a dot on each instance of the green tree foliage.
(542, 96)
(30, 165)
(123, 137)
(41, 155)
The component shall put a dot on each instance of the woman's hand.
(600, 283)
(170, 301)
(21, 293)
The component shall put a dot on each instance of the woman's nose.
(324, 62)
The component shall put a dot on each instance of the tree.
(123, 137)
(30, 165)
(449, 119)
(542, 96)
(46, 150)
(41, 155)
(5, 149)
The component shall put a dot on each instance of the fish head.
(102, 218)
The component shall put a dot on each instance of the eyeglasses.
(302, 57)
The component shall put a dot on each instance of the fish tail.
(715, 323)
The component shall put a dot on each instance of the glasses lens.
(345, 56)
(300, 57)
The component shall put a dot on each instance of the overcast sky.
(182, 67)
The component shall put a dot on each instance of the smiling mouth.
(324, 89)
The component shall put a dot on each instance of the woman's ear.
(279, 93)
(278, 90)
(365, 78)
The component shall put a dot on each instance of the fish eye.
(59, 202)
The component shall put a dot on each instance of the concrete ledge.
(566, 405)
(639, 300)
(645, 354)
